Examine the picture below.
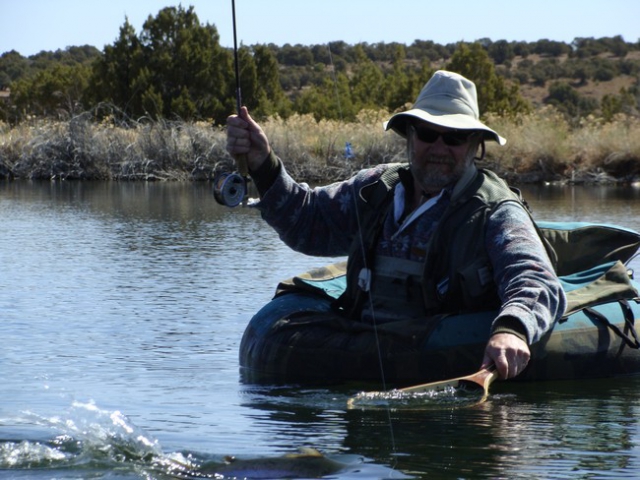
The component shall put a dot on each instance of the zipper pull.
(364, 280)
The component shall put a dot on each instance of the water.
(121, 311)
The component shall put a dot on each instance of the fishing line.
(335, 80)
(368, 274)
(367, 281)
(348, 152)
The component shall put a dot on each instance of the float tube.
(298, 337)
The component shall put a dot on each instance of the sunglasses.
(453, 138)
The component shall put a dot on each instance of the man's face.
(439, 156)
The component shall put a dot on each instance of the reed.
(542, 146)
(82, 149)
(316, 150)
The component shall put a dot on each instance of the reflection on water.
(132, 298)
(550, 430)
(591, 203)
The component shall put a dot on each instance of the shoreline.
(542, 148)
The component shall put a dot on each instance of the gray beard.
(431, 180)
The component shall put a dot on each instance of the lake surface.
(122, 306)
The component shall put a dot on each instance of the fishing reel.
(230, 189)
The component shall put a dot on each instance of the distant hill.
(583, 72)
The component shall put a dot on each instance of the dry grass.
(81, 149)
(315, 151)
(535, 144)
(541, 147)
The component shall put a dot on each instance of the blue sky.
(29, 26)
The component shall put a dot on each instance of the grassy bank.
(541, 147)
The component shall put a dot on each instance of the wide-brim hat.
(449, 100)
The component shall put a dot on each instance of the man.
(434, 236)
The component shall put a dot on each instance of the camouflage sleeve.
(529, 289)
(316, 221)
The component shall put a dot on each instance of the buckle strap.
(632, 340)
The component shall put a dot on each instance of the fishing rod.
(230, 189)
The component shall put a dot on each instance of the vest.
(457, 274)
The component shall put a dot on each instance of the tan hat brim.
(397, 123)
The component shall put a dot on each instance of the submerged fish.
(308, 463)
